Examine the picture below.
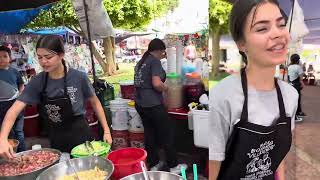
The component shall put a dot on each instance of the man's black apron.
(65, 129)
(296, 83)
(253, 151)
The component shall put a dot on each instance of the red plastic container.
(126, 161)
(136, 140)
(31, 121)
(127, 89)
(120, 139)
(193, 88)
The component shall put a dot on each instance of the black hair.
(295, 59)
(6, 49)
(239, 14)
(154, 45)
(52, 43)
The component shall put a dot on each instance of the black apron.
(295, 83)
(65, 129)
(253, 151)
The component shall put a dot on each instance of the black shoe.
(301, 114)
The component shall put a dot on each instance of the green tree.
(219, 11)
(124, 14)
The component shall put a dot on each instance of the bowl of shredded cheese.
(86, 168)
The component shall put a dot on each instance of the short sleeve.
(219, 134)
(219, 125)
(294, 96)
(31, 93)
(300, 70)
(87, 88)
(156, 67)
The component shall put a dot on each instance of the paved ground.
(303, 161)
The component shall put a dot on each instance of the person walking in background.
(310, 71)
(149, 78)
(11, 85)
(295, 78)
(190, 51)
(252, 114)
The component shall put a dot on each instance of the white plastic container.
(190, 120)
(119, 114)
(36, 147)
(135, 122)
(171, 60)
(179, 57)
(201, 128)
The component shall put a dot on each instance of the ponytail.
(143, 59)
(63, 62)
(244, 57)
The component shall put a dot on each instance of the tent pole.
(290, 25)
(90, 44)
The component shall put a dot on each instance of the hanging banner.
(296, 20)
(99, 21)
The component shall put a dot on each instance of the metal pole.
(90, 44)
(290, 25)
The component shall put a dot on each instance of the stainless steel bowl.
(79, 164)
(34, 174)
(154, 175)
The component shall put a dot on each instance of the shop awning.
(10, 5)
(16, 14)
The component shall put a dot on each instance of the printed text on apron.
(65, 129)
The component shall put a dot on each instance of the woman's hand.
(107, 138)
(6, 150)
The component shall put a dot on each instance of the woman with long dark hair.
(61, 93)
(252, 114)
(149, 81)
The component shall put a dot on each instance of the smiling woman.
(253, 113)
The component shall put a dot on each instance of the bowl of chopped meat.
(28, 165)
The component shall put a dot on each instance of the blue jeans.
(17, 130)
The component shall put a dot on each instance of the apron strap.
(45, 83)
(244, 82)
(65, 79)
(282, 108)
(244, 114)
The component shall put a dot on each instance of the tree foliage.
(219, 11)
(124, 14)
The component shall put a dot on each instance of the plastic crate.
(200, 128)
